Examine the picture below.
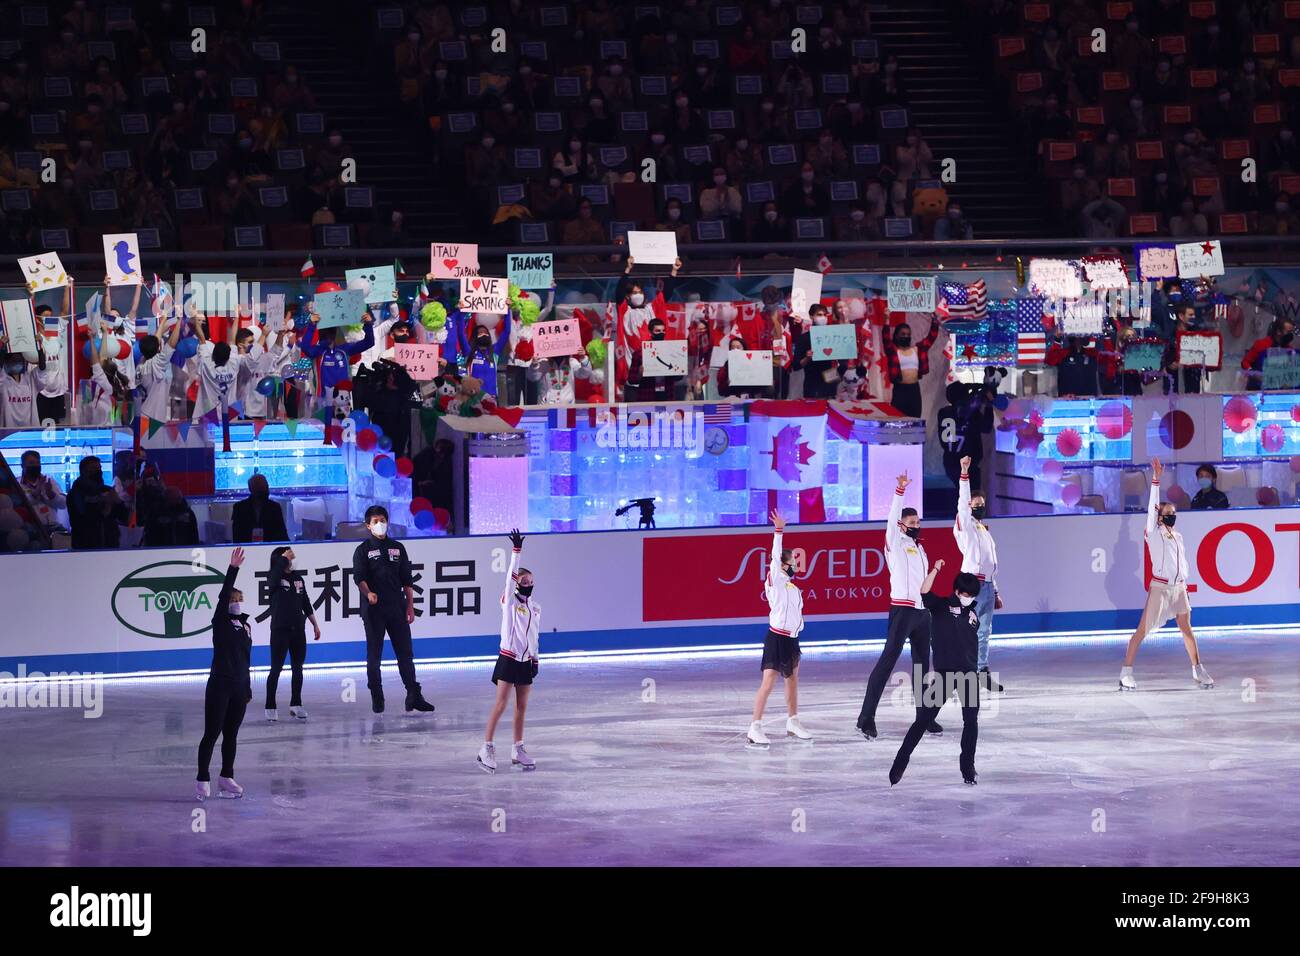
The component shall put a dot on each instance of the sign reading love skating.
(481, 294)
(911, 293)
(452, 260)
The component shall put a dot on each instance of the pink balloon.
(1295, 464)
(1295, 413)
(1177, 495)
(1053, 469)
(1273, 437)
(1070, 494)
(1068, 443)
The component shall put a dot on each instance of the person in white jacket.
(781, 647)
(908, 618)
(154, 373)
(1167, 595)
(979, 556)
(516, 660)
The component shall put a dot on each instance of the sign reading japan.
(911, 293)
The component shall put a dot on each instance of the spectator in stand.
(1163, 85)
(770, 226)
(257, 518)
(1138, 122)
(806, 198)
(173, 524)
(553, 201)
(1282, 221)
(1208, 497)
(1050, 123)
(913, 158)
(1110, 157)
(94, 509)
(1188, 222)
(721, 200)
(1282, 152)
(650, 388)
(953, 225)
(1223, 118)
(908, 364)
(1103, 218)
(1281, 335)
(1250, 87)
(820, 378)
(584, 230)
(1076, 368)
(673, 221)
(858, 227)
(43, 493)
(1175, 375)
(1076, 192)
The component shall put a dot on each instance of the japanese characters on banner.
(1144, 355)
(122, 259)
(453, 260)
(1083, 317)
(275, 310)
(379, 283)
(1055, 278)
(652, 248)
(911, 293)
(340, 308)
(43, 272)
(1281, 369)
(665, 358)
(419, 360)
(1200, 349)
(749, 367)
(1196, 259)
(1105, 272)
(1157, 262)
(834, 342)
(19, 325)
(531, 270)
(805, 292)
(556, 338)
(484, 294)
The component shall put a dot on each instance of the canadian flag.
(824, 264)
(787, 445)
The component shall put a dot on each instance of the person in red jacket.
(1281, 333)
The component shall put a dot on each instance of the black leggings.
(905, 624)
(966, 686)
(907, 399)
(293, 642)
(224, 704)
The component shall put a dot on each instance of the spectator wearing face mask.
(1282, 220)
(806, 198)
(1138, 121)
(586, 230)
(482, 357)
(1103, 218)
(1282, 152)
(20, 386)
(1281, 335)
(721, 200)
(575, 164)
(650, 388)
(552, 200)
(857, 226)
(1188, 222)
(43, 492)
(673, 221)
(332, 357)
(257, 518)
(635, 312)
(770, 226)
(953, 225)
(1178, 378)
(908, 364)
(1208, 497)
(95, 510)
(820, 377)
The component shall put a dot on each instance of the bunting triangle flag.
(184, 428)
(154, 425)
(173, 431)
(258, 425)
(323, 414)
(291, 426)
(236, 407)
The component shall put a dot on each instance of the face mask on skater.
(913, 533)
(379, 529)
(235, 608)
(966, 600)
(977, 512)
(525, 591)
(1168, 520)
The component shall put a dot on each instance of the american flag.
(1031, 340)
(965, 301)
(717, 414)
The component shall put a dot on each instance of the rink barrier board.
(631, 590)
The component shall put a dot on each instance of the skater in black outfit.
(290, 611)
(230, 687)
(383, 573)
(955, 634)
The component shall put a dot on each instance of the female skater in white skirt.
(1168, 593)
(517, 660)
(781, 648)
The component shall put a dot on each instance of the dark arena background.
(608, 436)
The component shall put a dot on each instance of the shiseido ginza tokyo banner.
(150, 609)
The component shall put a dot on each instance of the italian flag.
(308, 268)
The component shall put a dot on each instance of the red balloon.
(420, 504)
(1295, 413)
(1053, 469)
(441, 517)
(1114, 420)
(1240, 414)
(1267, 497)
(405, 466)
(367, 439)
(1273, 437)
(1068, 443)
(123, 348)
(328, 287)
(1070, 494)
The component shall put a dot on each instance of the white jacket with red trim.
(783, 598)
(520, 620)
(979, 553)
(1165, 545)
(906, 559)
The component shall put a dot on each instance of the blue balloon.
(188, 348)
(85, 351)
(385, 467)
(385, 443)
(135, 351)
(424, 520)
(360, 417)
(1000, 402)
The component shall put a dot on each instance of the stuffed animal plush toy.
(850, 386)
(929, 203)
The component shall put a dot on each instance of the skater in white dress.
(781, 648)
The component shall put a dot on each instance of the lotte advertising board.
(151, 609)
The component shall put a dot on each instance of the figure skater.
(290, 611)
(517, 660)
(1168, 593)
(955, 627)
(781, 647)
(979, 556)
(230, 686)
(908, 619)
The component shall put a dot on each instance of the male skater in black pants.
(908, 618)
(383, 573)
(956, 650)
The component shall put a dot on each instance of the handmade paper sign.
(911, 293)
(1083, 317)
(452, 260)
(1143, 356)
(122, 259)
(1156, 262)
(1055, 278)
(652, 248)
(43, 272)
(275, 310)
(659, 359)
(805, 292)
(1196, 259)
(480, 294)
(718, 357)
(1105, 272)
(557, 338)
(19, 325)
(531, 270)
(379, 283)
(340, 308)
(831, 342)
(752, 368)
(421, 361)
(1282, 369)
(1200, 349)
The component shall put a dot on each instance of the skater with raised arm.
(516, 661)
(1167, 595)
(781, 647)
(979, 556)
(908, 619)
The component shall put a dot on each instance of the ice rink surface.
(643, 761)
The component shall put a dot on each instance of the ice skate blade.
(806, 740)
(524, 767)
(1127, 690)
(1205, 686)
(751, 745)
(223, 795)
(484, 767)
